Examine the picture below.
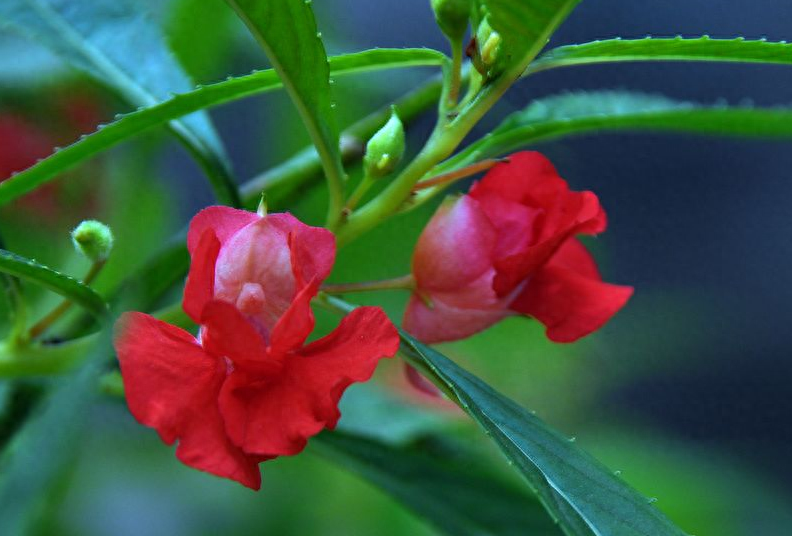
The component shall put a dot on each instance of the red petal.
(312, 253)
(296, 324)
(568, 296)
(199, 289)
(455, 248)
(172, 385)
(276, 416)
(224, 221)
(226, 332)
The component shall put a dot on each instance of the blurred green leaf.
(582, 494)
(599, 111)
(203, 97)
(68, 287)
(665, 49)
(524, 25)
(455, 495)
(39, 453)
(117, 44)
(286, 30)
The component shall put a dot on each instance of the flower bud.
(385, 148)
(452, 17)
(93, 239)
(486, 52)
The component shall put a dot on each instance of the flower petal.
(199, 289)
(296, 323)
(172, 385)
(226, 332)
(455, 314)
(455, 248)
(224, 221)
(568, 296)
(276, 416)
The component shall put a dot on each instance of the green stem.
(405, 282)
(42, 325)
(447, 178)
(455, 81)
(17, 306)
(36, 359)
(365, 184)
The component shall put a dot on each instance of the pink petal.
(224, 221)
(455, 248)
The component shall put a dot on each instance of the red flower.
(248, 389)
(508, 247)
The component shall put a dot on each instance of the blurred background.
(686, 391)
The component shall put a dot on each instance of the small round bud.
(452, 17)
(385, 148)
(93, 239)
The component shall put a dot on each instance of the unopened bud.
(93, 239)
(452, 17)
(487, 48)
(385, 148)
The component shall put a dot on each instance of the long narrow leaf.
(666, 49)
(286, 30)
(204, 97)
(582, 494)
(68, 287)
(114, 42)
(602, 111)
(454, 495)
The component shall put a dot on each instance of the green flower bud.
(452, 17)
(93, 239)
(385, 148)
(488, 44)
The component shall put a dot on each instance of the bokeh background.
(686, 392)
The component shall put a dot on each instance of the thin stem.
(17, 307)
(457, 174)
(405, 282)
(365, 184)
(455, 81)
(42, 325)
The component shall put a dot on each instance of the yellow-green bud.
(385, 148)
(488, 44)
(452, 17)
(93, 239)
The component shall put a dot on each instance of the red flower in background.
(509, 247)
(248, 389)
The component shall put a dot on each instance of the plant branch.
(405, 282)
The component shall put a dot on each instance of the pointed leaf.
(600, 111)
(665, 49)
(116, 44)
(68, 287)
(286, 30)
(445, 488)
(524, 25)
(582, 494)
(204, 97)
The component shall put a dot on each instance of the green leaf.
(582, 494)
(68, 287)
(524, 26)
(40, 452)
(204, 97)
(446, 488)
(665, 49)
(117, 45)
(286, 30)
(600, 111)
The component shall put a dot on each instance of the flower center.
(251, 299)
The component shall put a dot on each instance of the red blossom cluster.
(248, 388)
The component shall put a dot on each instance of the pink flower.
(508, 247)
(248, 388)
